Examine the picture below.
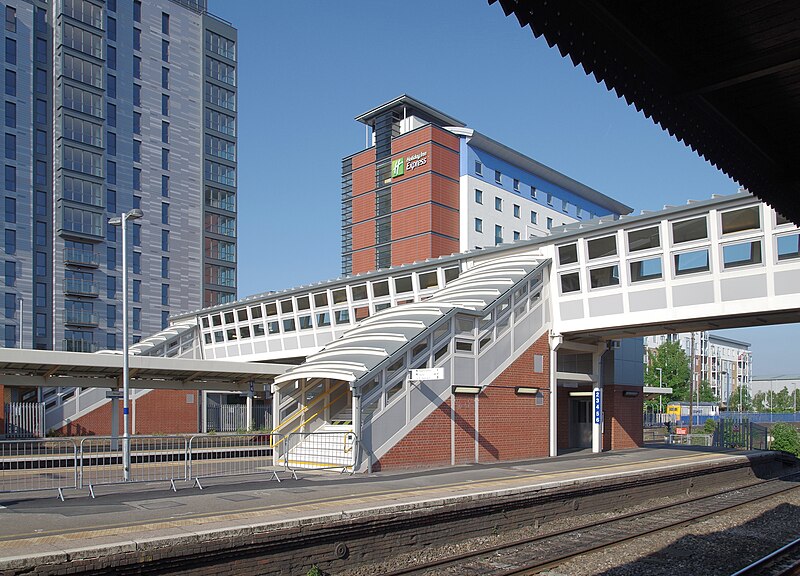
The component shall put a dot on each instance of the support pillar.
(249, 411)
(556, 340)
(597, 399)
(115, 423)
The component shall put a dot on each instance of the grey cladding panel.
(390, 421)
(787, 282)
(464, 372)
(744, 288)
(648, 300)
(572, 310)
(604, 305)
(693, 294)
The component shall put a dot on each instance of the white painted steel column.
(597, 399)
(357, 428)
(555, 342)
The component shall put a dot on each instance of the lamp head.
(134, 214)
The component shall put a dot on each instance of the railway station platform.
(335, 520)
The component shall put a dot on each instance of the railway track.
(538, 553)
(784, 561)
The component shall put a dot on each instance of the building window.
(478, 168)
(111, 29)
(549, 223)
(111, 143)
(137, 234)
(11, 178)
(111, 341)
(111, 201)
(137, 319)
(11, 336)
(137, 290)
(11, 19)
(564, 206)
(11, 114)
(137, 11)
(498, 234)
(549, 199)
(516, 185)
(11, 51)
(10, 273)
(165, 78)
(164, 159)
(165, 23)
(137, 178)
(498, 177)
(111, 258)
(11, 210)
(165, 294)
(11, 83)
(478, 225)
(478, 196)
(165, 50)
(137, 123)
(165, 319)
(534, 217)
(136, 265)
(516, 211)
(111, 115)
(137, 151)
(165, 186)
(498, 203)
(11, 242)
(111, 287)
(164, 267)
(165, 240)
(40, 81)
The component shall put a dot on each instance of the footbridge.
(529, 344)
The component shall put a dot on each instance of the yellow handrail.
(307, 420)
(304, 409)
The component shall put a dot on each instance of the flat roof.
(405, 99)
(23, 367)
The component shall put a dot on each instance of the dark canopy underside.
(723, 76)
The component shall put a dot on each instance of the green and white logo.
(398, 167)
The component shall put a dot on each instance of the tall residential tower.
(111, 106)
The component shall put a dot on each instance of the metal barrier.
(28, 465)
(24, 419)
(212, 455)
(321, 451)
(692, 439)
(153, 459)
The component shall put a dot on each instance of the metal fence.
(24, 420)
(152, 459)
(692, 439)
(231, 455)
(27, 465)
(66, 463)
(321, 451)
(232, 417)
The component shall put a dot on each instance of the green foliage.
(314, 571)
(710, 426)
(675, 373)
(785, 437)
(780, 401)
(746, 400)
(706, 392)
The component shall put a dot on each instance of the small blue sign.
(598, 407)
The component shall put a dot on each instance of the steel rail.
(559, 558)
(789, 551)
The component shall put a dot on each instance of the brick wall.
(508, 426)
(363, 180)
(364, 207)
(623, 418)
(363, 158)
(364, 235)
(425, 134)
(160, 411)
(363, 261)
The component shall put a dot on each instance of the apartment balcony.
(80, 287)
(80, 318)
(78, 345)
(85, 258)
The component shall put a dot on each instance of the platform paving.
(137, 516)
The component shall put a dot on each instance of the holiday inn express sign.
(400, 165)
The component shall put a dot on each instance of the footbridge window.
(788, 247)
(605, 276)
(644, 239)
(602, 247)
(649, 269)
(740, 220)
(689, 230)
(570, 282)
(691, 262)
(741, 254)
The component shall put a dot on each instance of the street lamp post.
(660, 384)
(126, 439)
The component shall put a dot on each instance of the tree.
(781, 401)
(675, 373)
(707, 392)
(785, 437)
(747, 400)
(760, 402)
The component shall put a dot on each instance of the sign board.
(398, 167)
(598, 407)
(113, 393)
(681, 431)
(427, 374)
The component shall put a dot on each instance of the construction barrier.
(321, 451)
(212, 455)
(39, 464)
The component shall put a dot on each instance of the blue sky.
(307, 68)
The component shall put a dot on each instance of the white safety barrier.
(321, 451)
(152, 459)
(46, 464)
(692, 439)
(212, 455)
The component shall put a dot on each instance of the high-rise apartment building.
(426, 186)
(109, 106)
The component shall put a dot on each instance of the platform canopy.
(52, 369)
(723, 76)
